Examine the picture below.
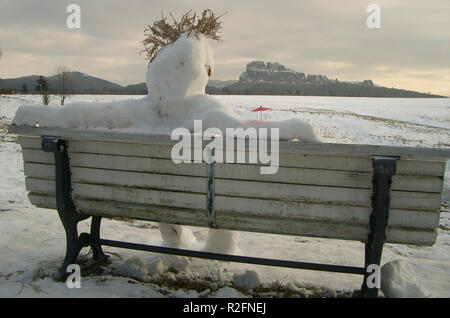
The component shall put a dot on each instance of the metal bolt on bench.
(383, 170)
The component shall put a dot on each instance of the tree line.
(42, 87)
(332, 88)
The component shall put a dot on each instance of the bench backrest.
(320, 190)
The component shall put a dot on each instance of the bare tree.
(62, 83)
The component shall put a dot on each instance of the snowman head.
(181, 69)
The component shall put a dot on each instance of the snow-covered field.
(32, 241)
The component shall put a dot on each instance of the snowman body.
(176, 82)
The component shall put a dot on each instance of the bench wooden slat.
(323, 212)
(327, 230)
(125, 178)
(417, 183)
(124, 194)
(327, 177)
(252, 189)
(421, 168)
(414, 219)
(415, 200)
(143, 212)
(120, 163)
(413, 237)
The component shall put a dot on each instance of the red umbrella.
(261, 109)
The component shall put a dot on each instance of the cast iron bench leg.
(383, 170)
(67, 211)
(74, 243)
(97, 250)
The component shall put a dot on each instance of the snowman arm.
(288, 129)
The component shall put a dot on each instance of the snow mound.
(399, 280)
(290, 286)
(138, 268)
(177, 236)
(222, 241)
(228, 292)
(248, 280)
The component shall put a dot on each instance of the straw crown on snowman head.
(162, 33)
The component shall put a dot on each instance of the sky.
(410, 50)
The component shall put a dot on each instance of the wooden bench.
(372, 194)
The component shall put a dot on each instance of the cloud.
(312, 36)
(335, 65)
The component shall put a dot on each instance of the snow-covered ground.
(32, 241)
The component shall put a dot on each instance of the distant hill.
(220, 84)
(259, 78)
(262, 78)
(80, 83)
(135, 89)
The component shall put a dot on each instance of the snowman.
(176, 80)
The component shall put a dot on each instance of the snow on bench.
(320, 190)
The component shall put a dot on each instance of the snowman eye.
(208, 70)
